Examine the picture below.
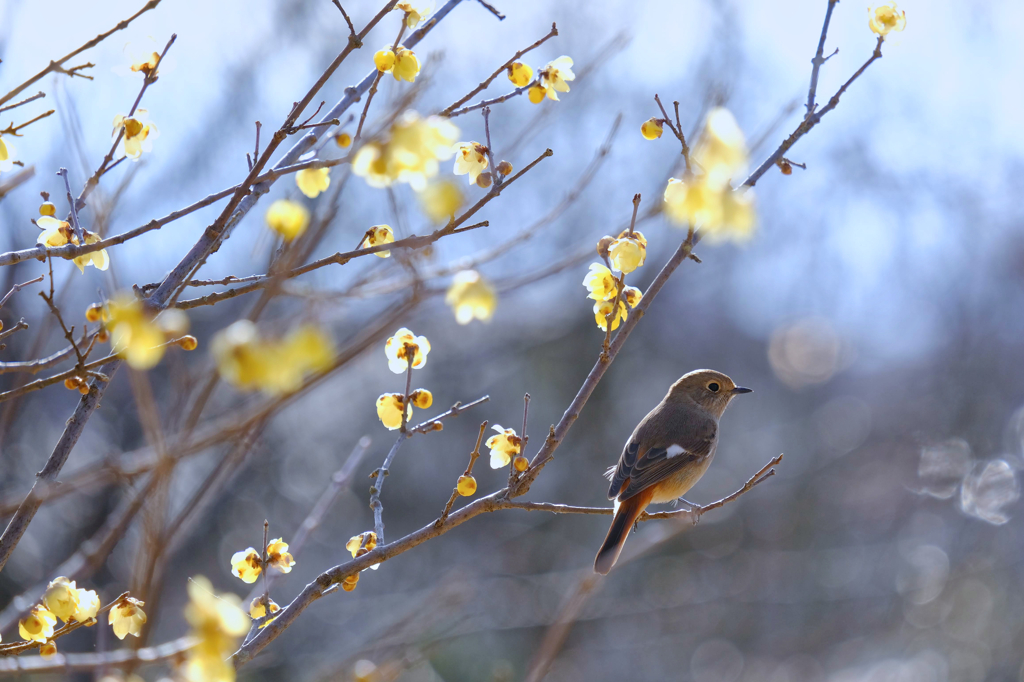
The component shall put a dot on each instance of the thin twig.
(819, 58)
(75, 225)
(33, 98)
(468, 472)
(18, 287)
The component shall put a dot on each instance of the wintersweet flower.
(257, 610)
(600, 283)
(651, 129)
(520, 74)
(421, 398)
(7, 155)
(411, 153)
(503, 446)
(360, 544)
(141, 56)
(722, 151)
(722, 214)
(415, 12)
(88, 605)
(401, 63)
(48, 649)
(384, 59)
(278, 556)
(59, 232)
(218, 623)
(632, 296)
(376, 235)
(246, 565)
(313, 181)
(37, 625)
(273, 366)
(139, 133)
(553, 77)
(470, 158)
(440, 200)
(536, 93)
(602, 309)
(389, 410)
(127, 617)
(288, 218)
(404, 345)
(471, 297)
(134, 335)
(885, 17)
(61, 598)
(628, 252)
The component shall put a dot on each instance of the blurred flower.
(134, 335)
(440, 200)
(389, 410)
(604, 308)
(139, 133)
(376, 235)
(985, 494)
(343, 140)
(48, 649)
(466, 485)
(503, 446)
(362, 543)
(401, 63)
(885, 17)
(88, 605)
(127, 617)
(651, 129)
(600, 283)
(141, 56)
(471, 296)
(553, 77)
(246, 565)
(631, 295)
(421, 398)
(410, 155)
(278, 556)
(721, 213)
(257, 610)
(37, 625)
(470, 158)
(58, 233)
(274, 366)
(288, 218)
(218, 623)
(61, 598)
(520, 74)
(312, 181)
(415, 12)
(628, 252)
(7, 155)
(403, 345)
(722, 150)
(536, 93)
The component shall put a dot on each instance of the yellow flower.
(139, 133)
(603, 308)
(421, 398)
(600, 283)
(48, 649)
(362, 543)
(470, 158)
(722, 151)
(312, 181)
(257, 610)
(721, 213)
(471, 296)
(410, 154)
(553, 77)
(627, 253)
(273, 366)
(440, 200)
(127, 618)
(246, 565)
(58, 233)
(536, 93)
(886, 17)
(520, 74)
(88, 605)
(401, 63)
(218, 623)
(389, 410)
(278, 556)
(403, 345)
(503, 446)
(37, 626)
(61, 598)
(141, 57)
(384, 59)
(631, 295)
(376, 235)
(651, 129)
(414, 12)
(466, 485)
(343, 140)
(134, 335)
(288, 218)
(7, 155)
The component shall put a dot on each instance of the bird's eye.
(713, 387)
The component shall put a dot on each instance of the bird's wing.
(638, 469)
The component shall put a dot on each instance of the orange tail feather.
(626, 515)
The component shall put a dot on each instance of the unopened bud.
(49, 647)
(47, 208)
(83, 388)
(94, 313)
(483, 180)
(520, 463)
(602, 246)
(466, 485)
(103, 336)
(343, 140)
(72, 383)
(786, 167)
(188, 342)
(504, 168)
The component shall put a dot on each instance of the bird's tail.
(625, 516)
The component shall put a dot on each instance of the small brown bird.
(667, 454)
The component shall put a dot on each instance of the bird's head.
(709, 389)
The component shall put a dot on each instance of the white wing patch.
(674, 450)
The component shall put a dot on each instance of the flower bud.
(504, 168)
(602, 246)
(47, 208)
(343, 140)
(188, 342)
(520, 463)
(103, 336)
(484, 180)
(466, 485)
(651, 129)
(786, 167)
(94, 313)
(72, 383)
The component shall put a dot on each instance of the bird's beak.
(739, 389)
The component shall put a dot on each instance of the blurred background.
(876, 313)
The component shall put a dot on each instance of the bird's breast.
(680, 482)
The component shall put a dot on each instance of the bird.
(669, 451)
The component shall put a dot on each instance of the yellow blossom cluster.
(218, 622)
(886, 17)
(471, 297)
(401, 63)
(504, 446)
(551, 80)
(274, 366)
(247, 565)
(377, 235)
(313, 181)
(136, 336)
(707, 199)
(604, 286)
(389, 406)
(409, 154)
(258, 610)
(61, 600)
(440, 200)
(139, 133)
(288, 218)
(59, 233)
(359, 545)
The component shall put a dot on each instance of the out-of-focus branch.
(819, 57)
(122, 658)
